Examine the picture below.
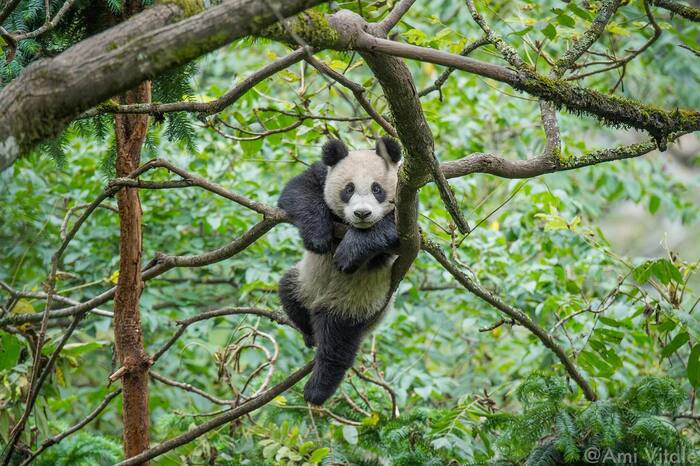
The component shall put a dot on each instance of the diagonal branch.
(516, 314)
(206, 108)
(228, 416)
(588, 38)
(357, 90)
(393, 18)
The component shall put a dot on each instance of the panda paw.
(315, 393)
(345, 262)
(320, 244)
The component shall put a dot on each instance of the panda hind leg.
(297, 312)
(337, 341)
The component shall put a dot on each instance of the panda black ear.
(333, 152)
(389, 148)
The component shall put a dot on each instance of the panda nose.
(362, 213)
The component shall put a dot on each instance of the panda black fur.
(337, 293)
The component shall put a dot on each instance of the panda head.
(361, 185)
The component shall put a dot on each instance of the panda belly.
(358, 296)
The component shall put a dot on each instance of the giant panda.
(338, 292)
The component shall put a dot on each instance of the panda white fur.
(338, 292)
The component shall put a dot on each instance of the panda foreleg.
(360, 246)
(337, 342)
(296, 311)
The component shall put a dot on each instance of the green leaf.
(550, 32)
(694, 366)
(654, 203)
(565, 20)
(679, 340)
(318, 455)
(10, 347)
(350, 434)
(580, 12)
(76, 349)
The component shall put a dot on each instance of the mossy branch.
(681, 9)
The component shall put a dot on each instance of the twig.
(588, 38)
(74, 209)
(440, 81)
(49, 24)
(616, 63)
(508, 52)
(357, 90)
(71, 430)
(190, 388)
(497, 324)
(385, 386)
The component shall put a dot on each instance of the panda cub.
(337, 293)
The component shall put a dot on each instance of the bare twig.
(440, 81)
(385, 386)
(190, 388)
(588, 38)
(49, 24)
(71, 430)
(74, 209)
(357, 90)
(621, 62)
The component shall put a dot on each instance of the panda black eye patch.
(347, 192)
(378, 191)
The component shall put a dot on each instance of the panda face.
(361, 185)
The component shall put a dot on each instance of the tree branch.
(233, 414)
(344, 31)
(393, 18)
(206, 108)
(679, 8)
(519, 316)
(357, 90)
(55, 91)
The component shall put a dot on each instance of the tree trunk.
(130, 132)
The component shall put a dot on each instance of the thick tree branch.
(536, 166)
(679, 8)
(341, 31)
(519, 316)
(52, 92)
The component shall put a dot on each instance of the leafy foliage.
(604, 259)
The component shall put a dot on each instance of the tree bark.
(130, 131)
(51, 92)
